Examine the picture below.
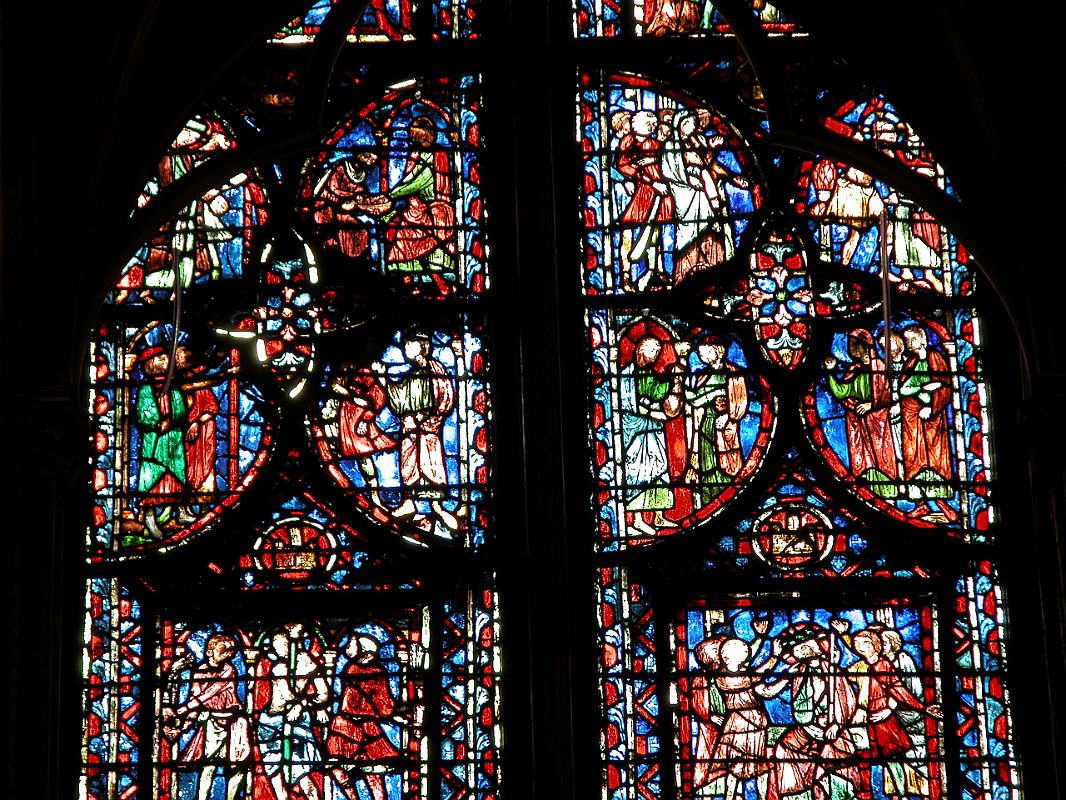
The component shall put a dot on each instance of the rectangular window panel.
(986, 750)
(111, 692)
(629, 733)
(362, 707)
(841, 701)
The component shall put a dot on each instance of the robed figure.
(864, 389)
(356, 732)
(653, 428)
(421, 394)
(925, 397)
(160, 417)
(421, 225)
(651, 205)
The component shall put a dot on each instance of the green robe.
(712, 478)
(162, 452)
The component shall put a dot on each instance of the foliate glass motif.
(178, 432)
(209, 239)
(305, 544)
(398, 189)
(798, 530)
(680, 424)
(289, 317)
(406, 432)
(669, 186)
(903, 419)
(631, 738)
(860, 222)
(782, 298)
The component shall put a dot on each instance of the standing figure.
(814, 758)
(865, 392)
(719, 396)
(698, 179)
(650, 397)
(291, 692)
(161, 416)
(849, 198)
(700, 235)
(421, 224)
(356, 732)
(915, 776)
(925, 392)
(214, 712)
(203, 410)
(709, 709)
(741, 750)
(896, 355)
(880, 693)
(421, 394)
(651, 205)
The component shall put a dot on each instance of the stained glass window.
(787, 398)
(288, 443)
(319, 433)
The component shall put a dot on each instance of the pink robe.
(216, 691)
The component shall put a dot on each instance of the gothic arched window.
(365, 444)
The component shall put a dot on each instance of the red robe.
(352, 237)
(200, 450)
(373, 440)
(642, 208)
(870, 443)
(878, 686)
(356, 731)
(926, 442)
(428, 221)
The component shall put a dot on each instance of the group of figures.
(405, 430)
(859, 222)
(397, 188)
(681, 186)
(208, 239)
(687, 413)
(814, 712)
(897, 414)
(287, 717)
(416, 213)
